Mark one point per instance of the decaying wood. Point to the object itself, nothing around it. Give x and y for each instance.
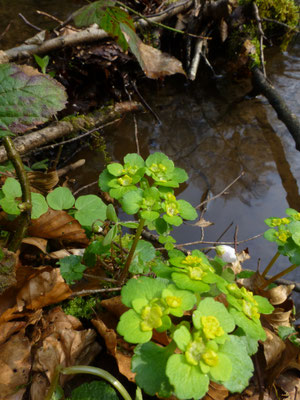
(277, 102)
(56, 130)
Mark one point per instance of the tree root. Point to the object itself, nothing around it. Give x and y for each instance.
(265, 88)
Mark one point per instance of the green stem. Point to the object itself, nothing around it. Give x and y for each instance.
(131, 252)
(156, 23)
(24, 218)
(271, 263)
(101, 373)
(53, 384)
(279, 275)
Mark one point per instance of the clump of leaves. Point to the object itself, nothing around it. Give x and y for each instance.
(215, 344)
(285, 232)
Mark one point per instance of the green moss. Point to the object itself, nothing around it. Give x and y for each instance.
(80, 307)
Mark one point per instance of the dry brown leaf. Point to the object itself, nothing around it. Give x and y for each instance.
(15, 365)
(9, 328)
(223, 27)
(290, 359)
(273, 347)
(279, 317)
(37, 242)
(58, 225)
(48, 287)
(241, 257)
(279, 294)
(43, 182)
(114, 305)
(39, 386)
(289, 383)
(53, 224)
(64, 344)
(158, 64)
(114, 345)
(216, 392)
(203, 223)
(44, 289)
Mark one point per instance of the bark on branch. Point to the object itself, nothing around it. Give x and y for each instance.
(31, 141)
(277, 102)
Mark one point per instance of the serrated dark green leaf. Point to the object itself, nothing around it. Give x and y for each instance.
(28, 98)
(94, 390)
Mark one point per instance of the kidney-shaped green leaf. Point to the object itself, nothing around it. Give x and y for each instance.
(90, 208)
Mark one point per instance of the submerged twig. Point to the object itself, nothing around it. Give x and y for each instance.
(29, 23)
(222, 192)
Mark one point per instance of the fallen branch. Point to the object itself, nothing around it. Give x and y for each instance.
(265, 88)
(56, 130)
(91, 34)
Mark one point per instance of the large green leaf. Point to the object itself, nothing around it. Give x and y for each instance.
(149, 363)
(91, 209)
(242, 368)
(27, 98)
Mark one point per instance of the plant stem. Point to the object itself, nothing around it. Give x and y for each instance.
(279, 275)
(101, 373)
(131, 252)
(53, 383)
(24, 218)
(271, 263)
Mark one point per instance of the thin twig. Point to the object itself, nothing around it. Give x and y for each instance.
(145, 104)
(261, 38)
(5, 31)
(92, 291)
(136, 137)
(52, 146)
(280, 23)
(229, 243)
(220, 237)
(99, 278)
(126, 84)
(49, 16)
(235, 237)
(29, 23)
(169, 9)
(222, 192)
(84, 187)
(149, 21)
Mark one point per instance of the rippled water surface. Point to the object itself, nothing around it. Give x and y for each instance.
(208, 129)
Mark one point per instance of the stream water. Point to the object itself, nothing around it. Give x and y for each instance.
(208, 130)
